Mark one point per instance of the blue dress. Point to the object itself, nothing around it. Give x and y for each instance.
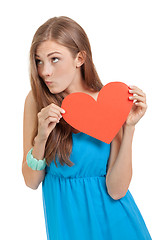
(76, 203)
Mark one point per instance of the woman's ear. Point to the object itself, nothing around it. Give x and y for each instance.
(80, 59)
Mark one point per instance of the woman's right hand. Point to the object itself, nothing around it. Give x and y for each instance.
(48, 117)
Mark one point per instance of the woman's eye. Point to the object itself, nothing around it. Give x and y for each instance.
(38, 62)
(55, 59)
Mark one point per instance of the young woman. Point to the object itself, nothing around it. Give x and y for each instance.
(84, 180)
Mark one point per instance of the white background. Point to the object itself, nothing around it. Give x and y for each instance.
(125, 41)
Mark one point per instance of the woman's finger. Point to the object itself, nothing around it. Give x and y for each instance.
(137, 91)
(141, 104)
(134, 87)
(138, 98)
(46, 112)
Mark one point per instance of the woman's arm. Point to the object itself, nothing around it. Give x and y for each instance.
(32, 178)
(119, 172)
(46, 121)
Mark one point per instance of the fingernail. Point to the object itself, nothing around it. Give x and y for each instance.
(63, 111)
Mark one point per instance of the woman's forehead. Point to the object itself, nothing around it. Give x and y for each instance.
(49, 47)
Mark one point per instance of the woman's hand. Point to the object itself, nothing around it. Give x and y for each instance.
(139, 106)
(48, 117)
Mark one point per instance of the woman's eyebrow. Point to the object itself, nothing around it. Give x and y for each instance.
(48, 54)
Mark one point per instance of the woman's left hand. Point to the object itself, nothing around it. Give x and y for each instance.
(139, 106)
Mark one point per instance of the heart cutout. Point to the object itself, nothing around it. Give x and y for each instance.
(101, 119)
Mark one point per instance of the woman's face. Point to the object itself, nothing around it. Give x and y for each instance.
(56, 66)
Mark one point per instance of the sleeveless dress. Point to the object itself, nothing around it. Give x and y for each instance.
(76, 203)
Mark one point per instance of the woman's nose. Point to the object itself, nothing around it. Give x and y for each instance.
(47, 70)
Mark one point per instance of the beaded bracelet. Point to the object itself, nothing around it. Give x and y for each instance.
(34, 163)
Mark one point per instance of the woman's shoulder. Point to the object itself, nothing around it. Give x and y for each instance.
(30, 102)
(30, 97)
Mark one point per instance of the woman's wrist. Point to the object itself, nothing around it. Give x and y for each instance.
(40, 141)
(34, 163)
(128, 129)
(38, 148)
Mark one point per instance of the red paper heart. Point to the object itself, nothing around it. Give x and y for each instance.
(101, 119)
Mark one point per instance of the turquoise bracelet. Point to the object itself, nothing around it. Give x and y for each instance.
(34, 163)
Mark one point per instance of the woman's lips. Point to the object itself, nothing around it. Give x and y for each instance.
(48, 83)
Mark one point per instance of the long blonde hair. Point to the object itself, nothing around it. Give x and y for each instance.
(70, 34)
